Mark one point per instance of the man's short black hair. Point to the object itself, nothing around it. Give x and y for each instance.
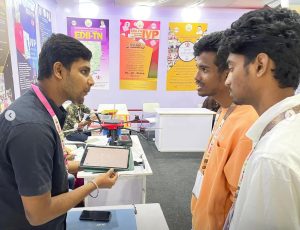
(60, 48)
(211, 43)
(275, 32)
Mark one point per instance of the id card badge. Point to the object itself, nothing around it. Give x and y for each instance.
(198, 184)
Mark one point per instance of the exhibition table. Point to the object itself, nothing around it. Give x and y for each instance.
(182, 129)
(148, 216)
(130, 187)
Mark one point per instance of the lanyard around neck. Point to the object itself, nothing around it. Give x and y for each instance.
(214, 135)
(287, 114)
(48, 107)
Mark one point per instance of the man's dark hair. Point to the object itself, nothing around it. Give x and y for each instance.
(60, 48)
(211, 43)
(275, 32)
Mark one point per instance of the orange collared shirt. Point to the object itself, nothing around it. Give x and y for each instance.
(221, 175)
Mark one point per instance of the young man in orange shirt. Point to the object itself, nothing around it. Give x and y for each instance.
(228, 146)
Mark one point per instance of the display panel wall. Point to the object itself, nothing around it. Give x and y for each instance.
(217, 19)
(29, 23)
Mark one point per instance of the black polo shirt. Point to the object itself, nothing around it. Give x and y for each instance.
(31, 161)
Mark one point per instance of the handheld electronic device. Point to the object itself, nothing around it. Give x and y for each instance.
(105, 157)
(95, 215)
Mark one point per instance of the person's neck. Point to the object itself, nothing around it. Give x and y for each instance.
(223, 99)
(267, 99)
(51, 91)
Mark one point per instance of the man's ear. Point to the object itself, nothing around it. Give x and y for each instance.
(262, 63)
(225, 74)
(58, 69)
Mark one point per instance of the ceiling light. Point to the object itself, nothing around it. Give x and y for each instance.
(67, 10)
(198, 3)
(162, 1)
(150, 4)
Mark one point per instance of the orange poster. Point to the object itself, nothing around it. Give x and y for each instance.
(139, 46)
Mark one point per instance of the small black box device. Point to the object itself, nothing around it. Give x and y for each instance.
(124, 140)
(95, 215)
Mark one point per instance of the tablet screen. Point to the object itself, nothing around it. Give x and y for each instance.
(106, 157)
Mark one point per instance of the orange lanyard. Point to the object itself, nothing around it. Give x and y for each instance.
(214, 135)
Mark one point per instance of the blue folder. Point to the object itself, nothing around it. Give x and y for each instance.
(121, 219)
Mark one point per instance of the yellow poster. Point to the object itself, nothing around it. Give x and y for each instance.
(181, 65)
(295, 7)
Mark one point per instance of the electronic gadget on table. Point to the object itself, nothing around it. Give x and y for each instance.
(124, 140)
(105, 157)
(120, 219)
(95, 215)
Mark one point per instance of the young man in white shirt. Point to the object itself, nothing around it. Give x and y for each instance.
(264, 65)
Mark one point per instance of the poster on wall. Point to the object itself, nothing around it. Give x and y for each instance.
(26, 42)
(94, 34)
(45, 24)
(7, 94)
(181, 64)
(139, 47)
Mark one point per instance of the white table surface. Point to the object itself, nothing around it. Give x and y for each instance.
(184, 111)
(182, 129)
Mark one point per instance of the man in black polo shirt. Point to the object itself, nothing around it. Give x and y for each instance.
(33, 177)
